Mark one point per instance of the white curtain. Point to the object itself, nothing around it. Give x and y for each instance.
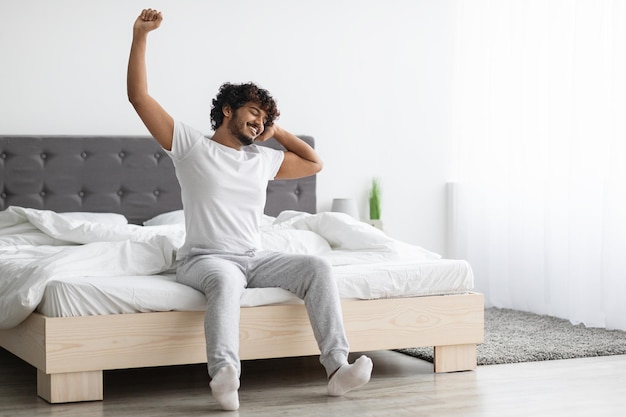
(539, 97)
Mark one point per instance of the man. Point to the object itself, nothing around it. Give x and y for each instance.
(223, 181)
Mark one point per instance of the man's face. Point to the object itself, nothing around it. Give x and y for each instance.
(247, 123)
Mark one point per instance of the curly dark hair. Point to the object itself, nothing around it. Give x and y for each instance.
(236, 95)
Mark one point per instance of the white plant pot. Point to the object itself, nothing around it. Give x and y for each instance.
(376, 223)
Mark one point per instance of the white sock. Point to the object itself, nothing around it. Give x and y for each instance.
(224, 388)
(350, 377)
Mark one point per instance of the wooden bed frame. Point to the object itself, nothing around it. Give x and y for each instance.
(101, 174)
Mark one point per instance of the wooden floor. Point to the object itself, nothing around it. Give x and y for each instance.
(400, 386)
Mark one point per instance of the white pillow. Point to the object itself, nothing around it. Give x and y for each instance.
(294, 241)
(172, 217)
(287, 218)
(267, 221)
(34, 238)
(28, 234)
(112, 219)
(345, 232)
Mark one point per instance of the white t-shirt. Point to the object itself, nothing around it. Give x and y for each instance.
(223, 190)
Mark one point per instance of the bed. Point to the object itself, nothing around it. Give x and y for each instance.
(132, 176)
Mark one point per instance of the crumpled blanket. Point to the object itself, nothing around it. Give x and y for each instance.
(81, 248)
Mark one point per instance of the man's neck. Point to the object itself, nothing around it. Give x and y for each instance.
(223, 137)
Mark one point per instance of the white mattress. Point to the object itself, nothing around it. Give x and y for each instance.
(82, 296)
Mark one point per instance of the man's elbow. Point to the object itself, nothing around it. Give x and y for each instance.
(138, 101)
(136, 95)
(133, 99)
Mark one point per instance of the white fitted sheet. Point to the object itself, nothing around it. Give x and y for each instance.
(80, 296)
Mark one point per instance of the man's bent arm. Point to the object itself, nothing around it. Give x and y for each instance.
(301, 160)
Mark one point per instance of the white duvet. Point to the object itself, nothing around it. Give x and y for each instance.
(38, 246)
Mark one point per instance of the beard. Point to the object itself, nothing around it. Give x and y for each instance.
(238, 129)
(244, 140)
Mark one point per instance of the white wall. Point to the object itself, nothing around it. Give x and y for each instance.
(369, 79)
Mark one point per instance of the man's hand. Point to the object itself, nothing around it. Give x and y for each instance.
(148, 20)
(267, 133)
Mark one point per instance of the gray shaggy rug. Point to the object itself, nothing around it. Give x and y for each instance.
(514, 336)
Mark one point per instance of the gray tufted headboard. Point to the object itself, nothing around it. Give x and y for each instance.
(130, 175)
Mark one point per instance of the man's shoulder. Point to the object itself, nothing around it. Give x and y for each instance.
(185, 139)
(261, 149)
(183, 129)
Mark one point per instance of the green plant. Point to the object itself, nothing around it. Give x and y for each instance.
(374, 197)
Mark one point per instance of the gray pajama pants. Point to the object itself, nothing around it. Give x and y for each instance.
(223, 277)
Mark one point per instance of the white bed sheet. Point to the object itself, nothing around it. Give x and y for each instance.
(80, 296)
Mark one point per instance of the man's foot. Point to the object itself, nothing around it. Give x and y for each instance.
(350, 377)
(224, 386)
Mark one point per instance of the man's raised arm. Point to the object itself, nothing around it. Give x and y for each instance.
(157, 120)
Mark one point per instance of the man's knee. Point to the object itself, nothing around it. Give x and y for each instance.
(223, 283)
(317, 267)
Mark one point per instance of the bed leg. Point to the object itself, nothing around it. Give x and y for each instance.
(455, 358)
(70, 387)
